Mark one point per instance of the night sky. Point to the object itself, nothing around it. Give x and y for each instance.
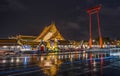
(29, 17)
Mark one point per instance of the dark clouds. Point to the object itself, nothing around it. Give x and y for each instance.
(29, 17)
(11, 5)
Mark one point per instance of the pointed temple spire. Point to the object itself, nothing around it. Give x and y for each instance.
(49, 33)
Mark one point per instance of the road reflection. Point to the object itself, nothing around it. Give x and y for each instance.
(53, 64)
(63, 64)
(50, 64)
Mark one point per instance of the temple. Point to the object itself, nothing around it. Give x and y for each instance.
(49, 37)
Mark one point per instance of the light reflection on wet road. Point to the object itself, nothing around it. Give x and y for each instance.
(61, 64)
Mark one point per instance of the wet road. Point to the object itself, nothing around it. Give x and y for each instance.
(61, 64)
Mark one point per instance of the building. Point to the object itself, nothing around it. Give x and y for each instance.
(9, 45)
(49, 39)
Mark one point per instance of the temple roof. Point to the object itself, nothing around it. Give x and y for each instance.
(50, 33)
(22, 42)
(8, 42)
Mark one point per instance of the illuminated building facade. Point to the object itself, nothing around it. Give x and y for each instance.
(50, 36)
(9, 44)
